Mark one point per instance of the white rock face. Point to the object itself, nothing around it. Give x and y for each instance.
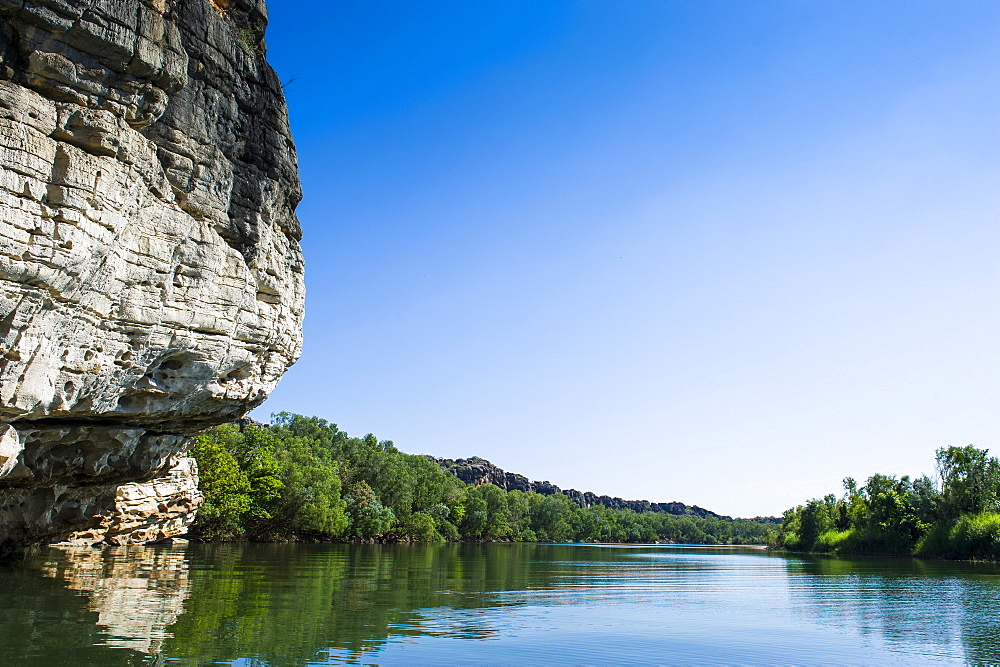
(150, 272)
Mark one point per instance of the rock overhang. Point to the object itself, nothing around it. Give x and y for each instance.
(151, 279)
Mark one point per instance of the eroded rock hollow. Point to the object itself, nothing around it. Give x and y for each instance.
(151, 279)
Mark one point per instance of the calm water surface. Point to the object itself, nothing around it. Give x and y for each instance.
(490, 603)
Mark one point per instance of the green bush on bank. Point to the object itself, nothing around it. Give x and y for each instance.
(956, 517)
(834, 540)
(303, 478)
(973, 536)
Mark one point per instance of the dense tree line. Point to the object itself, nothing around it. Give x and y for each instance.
(303, 478)
(955, 516)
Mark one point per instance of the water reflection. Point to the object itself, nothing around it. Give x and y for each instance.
(91, 606)
(945, 605)
(298, 604)
(136, 592)
(293, 604)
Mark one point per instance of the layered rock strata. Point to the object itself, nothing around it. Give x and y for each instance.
(150, 271)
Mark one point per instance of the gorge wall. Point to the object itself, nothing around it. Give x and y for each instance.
(151, 279)
(477, 471)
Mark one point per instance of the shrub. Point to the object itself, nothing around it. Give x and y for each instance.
(420, 526)
(972, 537)
(833, 540)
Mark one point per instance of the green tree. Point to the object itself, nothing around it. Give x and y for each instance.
(817, 518)
(969, 480)
(369, 517)
(890, 524)
(253, 449)
(422, 527)
(476, 517)
(286, 480)
(497, 519)
(310, 501)
(225, 487)
(550, 517)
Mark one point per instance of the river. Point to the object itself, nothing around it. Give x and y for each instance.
(489, 603)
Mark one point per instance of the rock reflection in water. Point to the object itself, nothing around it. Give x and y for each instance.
(291, 604)
(136, 591)
(84, 606)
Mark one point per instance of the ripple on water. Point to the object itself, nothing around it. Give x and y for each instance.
(480, 604)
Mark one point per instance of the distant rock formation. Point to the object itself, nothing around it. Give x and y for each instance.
(151, 279)
(478, 471)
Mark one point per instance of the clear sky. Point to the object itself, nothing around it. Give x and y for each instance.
(726, 253)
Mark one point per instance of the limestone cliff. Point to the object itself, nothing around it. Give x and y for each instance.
(151, 280)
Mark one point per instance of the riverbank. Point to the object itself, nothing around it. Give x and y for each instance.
(303, 479)
(956, 516)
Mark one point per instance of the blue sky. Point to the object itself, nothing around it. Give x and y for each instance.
(726, 253)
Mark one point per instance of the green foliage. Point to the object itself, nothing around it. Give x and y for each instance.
(832, 540)
(890, 516)
(973, 536)
(888, 522)
(239, 479)
(253, 450)
(969, 481)
(549, 518)
(226, 489)
(803, 525)
(369, 517)
(303, 478)
(421, 527)
(312, 498)
(266, 483)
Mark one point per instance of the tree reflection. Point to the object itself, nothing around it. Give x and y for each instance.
(904, 600)
(295, 604)
(298, 603)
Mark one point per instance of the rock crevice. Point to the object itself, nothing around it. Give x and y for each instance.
(151, 279)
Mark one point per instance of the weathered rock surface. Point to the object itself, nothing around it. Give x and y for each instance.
(475, 470)
(150, 272)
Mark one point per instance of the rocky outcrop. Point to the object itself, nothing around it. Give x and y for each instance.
(150, 272)
(479, 471)
(147, 511)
